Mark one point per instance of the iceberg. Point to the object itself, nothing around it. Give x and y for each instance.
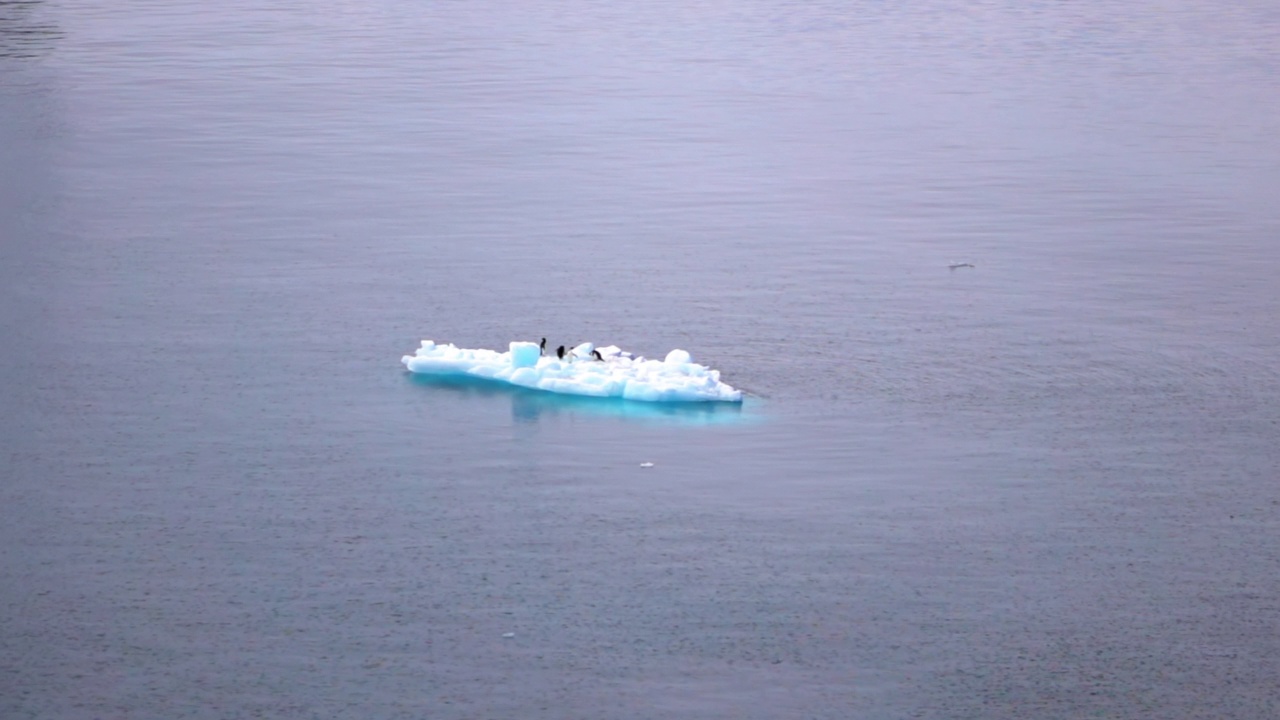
(615, 374)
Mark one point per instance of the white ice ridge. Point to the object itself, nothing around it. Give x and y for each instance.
(617, 375)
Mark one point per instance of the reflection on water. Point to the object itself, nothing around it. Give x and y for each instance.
(528, 406)
(22, 33)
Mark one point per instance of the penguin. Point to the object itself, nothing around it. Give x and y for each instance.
(596, 354)
(542, 347)
(560, 352)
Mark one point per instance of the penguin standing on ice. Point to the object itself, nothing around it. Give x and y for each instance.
(560, 352)
(542, 347)
(596, 354)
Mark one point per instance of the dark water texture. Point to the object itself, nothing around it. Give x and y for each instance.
(1044, 486)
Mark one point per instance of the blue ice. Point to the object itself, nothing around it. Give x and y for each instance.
(618, 375)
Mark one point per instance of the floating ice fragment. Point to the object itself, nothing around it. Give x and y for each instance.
(646, 464)
(616, 375)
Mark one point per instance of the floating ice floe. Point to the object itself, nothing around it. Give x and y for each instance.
(616, 375)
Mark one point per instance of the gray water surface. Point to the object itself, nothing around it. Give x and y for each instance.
(1044, 486)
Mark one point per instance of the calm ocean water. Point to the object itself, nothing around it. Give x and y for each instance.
(1044, 486)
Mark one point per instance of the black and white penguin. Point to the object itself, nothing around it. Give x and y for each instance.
(596, 354)
(542, 347)
(560, 352)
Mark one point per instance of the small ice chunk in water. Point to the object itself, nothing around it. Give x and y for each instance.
(675, 379)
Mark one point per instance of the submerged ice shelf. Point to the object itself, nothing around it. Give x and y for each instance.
(617, 375)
